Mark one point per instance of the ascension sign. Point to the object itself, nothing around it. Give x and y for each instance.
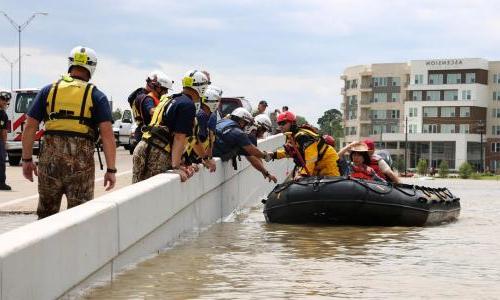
(444, 62)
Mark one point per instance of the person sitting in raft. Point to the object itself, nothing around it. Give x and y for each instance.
(357, 167)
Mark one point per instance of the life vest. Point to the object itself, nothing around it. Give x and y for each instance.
(374, 159)
(157, 133)
(136, 99)
(362, 172)
(69, 108)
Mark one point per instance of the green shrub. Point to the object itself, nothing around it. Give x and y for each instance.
(475, 175)
(422, 166)
(465, 170)
(443, 169)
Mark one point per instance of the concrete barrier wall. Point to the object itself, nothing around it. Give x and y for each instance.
(61, 255)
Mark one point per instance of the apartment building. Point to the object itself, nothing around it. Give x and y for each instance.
(445, 107)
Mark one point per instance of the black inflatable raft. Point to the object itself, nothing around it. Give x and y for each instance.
(342, 200)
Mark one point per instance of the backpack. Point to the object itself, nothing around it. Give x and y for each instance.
(135, 101)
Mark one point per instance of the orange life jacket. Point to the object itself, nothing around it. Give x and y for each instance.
(374, 159)
(362, 172)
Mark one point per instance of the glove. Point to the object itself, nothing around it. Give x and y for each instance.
(268, 156)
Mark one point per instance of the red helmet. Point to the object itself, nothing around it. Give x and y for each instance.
(286, 116)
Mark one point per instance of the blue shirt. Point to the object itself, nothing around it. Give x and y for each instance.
(146, 107)
(212, 121)
(202, 118)
(231, 138)
(179, 117)
(101, 112)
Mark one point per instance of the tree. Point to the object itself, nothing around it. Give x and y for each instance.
(443, 169)
(301, 120)
(117, 114)
(422, 166)
(331, 123)
(399, 164)
(465, 170)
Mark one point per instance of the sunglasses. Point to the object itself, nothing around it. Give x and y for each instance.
(282, 123)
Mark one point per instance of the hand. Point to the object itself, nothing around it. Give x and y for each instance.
(270, 177)
(268, 156)
(194, 167)
(29, 168)
(109, 180)
(182, 173)
(297, 177)
(210, 164)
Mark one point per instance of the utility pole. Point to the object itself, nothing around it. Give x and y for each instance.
(11, 65)
(19, 29)
(406, 141)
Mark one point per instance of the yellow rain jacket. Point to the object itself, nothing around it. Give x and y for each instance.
(320, 158)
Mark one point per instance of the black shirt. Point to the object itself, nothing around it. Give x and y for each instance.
(3, 120)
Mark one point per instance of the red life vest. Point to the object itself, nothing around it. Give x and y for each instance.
(374, 159)
(155, 100)
(362, 172)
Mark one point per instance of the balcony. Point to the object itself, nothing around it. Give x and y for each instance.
(366, 87)
(342, 91)
(366, 72)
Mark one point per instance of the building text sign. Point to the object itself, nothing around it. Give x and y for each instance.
(443, 62)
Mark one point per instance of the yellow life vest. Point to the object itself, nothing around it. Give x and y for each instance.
(69, 105)
(157, 130)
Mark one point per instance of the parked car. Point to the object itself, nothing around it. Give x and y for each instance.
(121, 129)
(21, 102)
(131, 139)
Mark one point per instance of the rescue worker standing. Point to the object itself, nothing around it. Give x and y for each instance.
(144, 100)
(232, 141)
(165, 138)
(74, 112)
(4, 102)
(311, 154)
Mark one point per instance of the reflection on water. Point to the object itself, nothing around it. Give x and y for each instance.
(247, 258)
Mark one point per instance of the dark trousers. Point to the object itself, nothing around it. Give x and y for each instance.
(3, 155)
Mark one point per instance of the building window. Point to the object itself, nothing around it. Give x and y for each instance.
(450, 95)
(412, 128)
(394, 114)
(433, 95)
(353, 100)
(354, 83)
(394, 128)
(417, 95)
(495, 129)
(435, 78)
(495, 147)
(496, 78)
(430, 112)
(419, 79)
(470, 78)
(395, 97)
(447, 128)
(377, 129)
(447, 112)
(413, 112)
(380, 97)
(429, 128)
(464, 128)
(495, 112)
(379, 81)
(496, 95)
(396, 81)
(466, 95)
(454, 78)
(464, 112)
(379, 114)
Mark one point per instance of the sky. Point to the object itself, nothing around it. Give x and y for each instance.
(286, 52)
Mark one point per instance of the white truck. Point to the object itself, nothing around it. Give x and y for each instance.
(121, 129)
(20, 103)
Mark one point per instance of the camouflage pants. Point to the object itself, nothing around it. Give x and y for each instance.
(149, 161)
(67, 167)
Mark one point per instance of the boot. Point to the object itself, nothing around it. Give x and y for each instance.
(5, 187)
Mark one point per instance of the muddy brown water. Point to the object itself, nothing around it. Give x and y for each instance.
(245, 258)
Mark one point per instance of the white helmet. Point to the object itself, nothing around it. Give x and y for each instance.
(196, 80)
(243, 114)
(159, 79)
(211, 97)
(83, 57)
(263, 120)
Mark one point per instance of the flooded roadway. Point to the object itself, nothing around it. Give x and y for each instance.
(245, 258)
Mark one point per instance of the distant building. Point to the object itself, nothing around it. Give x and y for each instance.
(447, 102)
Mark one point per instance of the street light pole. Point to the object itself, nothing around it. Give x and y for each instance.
(481, 128)
(19, 29)
(406, 141)
(11, 65)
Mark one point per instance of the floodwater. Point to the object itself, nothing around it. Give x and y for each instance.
(245, 258)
